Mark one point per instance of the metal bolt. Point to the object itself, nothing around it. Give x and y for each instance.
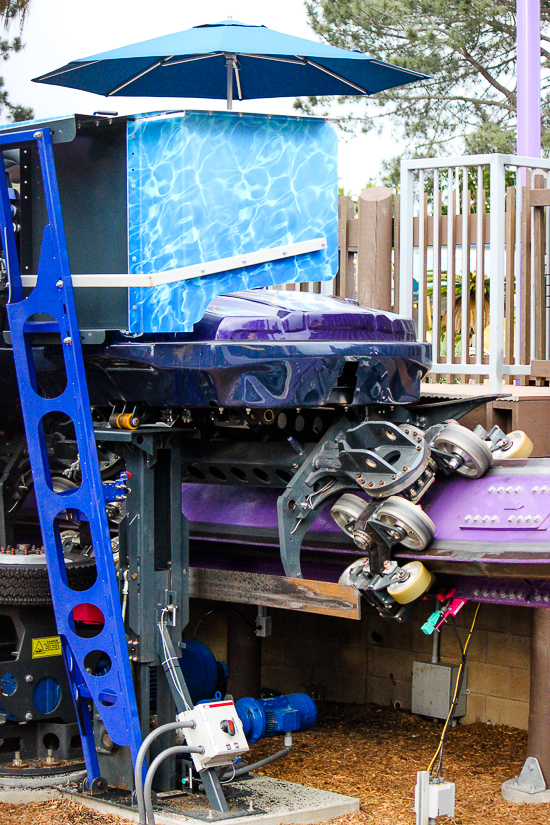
(29, 717)
(467, 518)
(134, 259)
(67, 340)
(29, 678)
(59, 284)
(518, 489)
(528, 519)
(418, 448)
(535, 489)
(537, 519)
(521, 519)
(477, 518)
(494, 518)
(509, 489)
(500, 489)
(491, 489)
(37, 135)
(486, 518)
(511, 519)
(544, 488)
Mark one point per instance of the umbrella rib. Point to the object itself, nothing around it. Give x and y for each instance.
(299, 62)
(188, 59)
(137, 77)
(69, 69)
(238, 79)
(335, 75)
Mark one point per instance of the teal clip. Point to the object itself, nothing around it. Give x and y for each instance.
(429, 626)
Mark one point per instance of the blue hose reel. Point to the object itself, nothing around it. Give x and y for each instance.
(281, 714)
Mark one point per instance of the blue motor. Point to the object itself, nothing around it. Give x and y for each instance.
(203, 675)
(281, 714)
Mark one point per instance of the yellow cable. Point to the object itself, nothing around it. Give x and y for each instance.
(447, 721)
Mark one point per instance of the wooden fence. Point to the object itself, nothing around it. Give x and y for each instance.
(485, 309)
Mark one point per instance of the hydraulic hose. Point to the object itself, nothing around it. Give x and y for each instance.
(244, 769)
(150, 816)
(140, 758)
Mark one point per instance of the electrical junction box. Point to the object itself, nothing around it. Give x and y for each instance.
(433, 688)
(440, 799)
(218, 730)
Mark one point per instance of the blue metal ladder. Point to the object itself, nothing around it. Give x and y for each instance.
(112, 693)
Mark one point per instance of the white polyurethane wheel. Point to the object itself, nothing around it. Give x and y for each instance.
(458, 440)
(399, 512)
(346, 511)
(521, 446)
(420, 579)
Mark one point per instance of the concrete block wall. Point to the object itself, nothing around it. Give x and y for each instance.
(371, 660)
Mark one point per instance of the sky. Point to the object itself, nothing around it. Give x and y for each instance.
(58, 31)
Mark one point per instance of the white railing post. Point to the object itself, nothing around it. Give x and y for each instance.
(406, 276)
(497, 274)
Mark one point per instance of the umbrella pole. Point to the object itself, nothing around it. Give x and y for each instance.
(229, 62)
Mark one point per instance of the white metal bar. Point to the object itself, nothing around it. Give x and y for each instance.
(406, 243)
(475, 160)
(450, 267)
(496, 291)
(465, 288)
(185, 273)
(517, 266)
(480, 266)
(421, 272)
(436, 277)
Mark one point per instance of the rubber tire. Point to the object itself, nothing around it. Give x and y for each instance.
(26, 586)
(522, 446)
(408, 591)
(420, 528)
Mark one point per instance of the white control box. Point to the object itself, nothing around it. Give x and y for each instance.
(433, 799)
(218, 730)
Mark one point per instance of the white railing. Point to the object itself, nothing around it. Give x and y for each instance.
(484, 306)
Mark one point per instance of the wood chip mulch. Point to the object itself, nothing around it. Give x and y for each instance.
(55, 812)
(374, 753)
(371, 753)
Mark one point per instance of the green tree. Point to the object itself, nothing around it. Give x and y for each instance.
(12, 12)
(468, 47)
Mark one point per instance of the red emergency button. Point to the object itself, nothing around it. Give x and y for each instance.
(228, 726)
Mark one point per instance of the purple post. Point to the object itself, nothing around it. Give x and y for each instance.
(528, 69)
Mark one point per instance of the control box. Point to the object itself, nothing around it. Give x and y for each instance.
(218, 730)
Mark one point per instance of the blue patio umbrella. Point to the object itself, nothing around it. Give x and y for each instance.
(226, 60)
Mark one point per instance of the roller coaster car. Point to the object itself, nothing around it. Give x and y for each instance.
(310, 393)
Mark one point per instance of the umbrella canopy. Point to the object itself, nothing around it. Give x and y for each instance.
(229, 60)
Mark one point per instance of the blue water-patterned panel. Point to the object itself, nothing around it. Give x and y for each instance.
(203, 186)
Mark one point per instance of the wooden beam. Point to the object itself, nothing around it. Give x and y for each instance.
(305, 595)
(539, 197)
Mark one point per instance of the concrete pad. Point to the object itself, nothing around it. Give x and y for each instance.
(260, 800)
(512, 791)
(22, 797)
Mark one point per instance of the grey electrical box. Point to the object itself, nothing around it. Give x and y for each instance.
(433, 688)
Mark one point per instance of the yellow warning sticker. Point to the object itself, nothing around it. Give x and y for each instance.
(50, 646)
